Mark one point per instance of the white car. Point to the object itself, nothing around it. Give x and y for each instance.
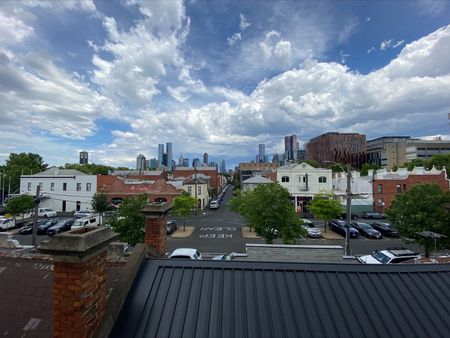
(86, 221)
(214, 204)
(46, 212)
(389, 256)
(310, 228)
(186, 253)
(82, 213)
(7, 223)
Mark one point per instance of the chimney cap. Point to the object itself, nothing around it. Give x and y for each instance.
(153, 208)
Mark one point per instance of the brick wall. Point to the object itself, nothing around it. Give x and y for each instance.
(156, 233)
(214, 181)
(79, 297)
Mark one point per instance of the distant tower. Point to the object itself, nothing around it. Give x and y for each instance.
(195, 162)
(84, 157)
(160, 155)
(205, 158)
(223, 168)
(261, 153)
(140, 163)
(291, 147)
(169, 156)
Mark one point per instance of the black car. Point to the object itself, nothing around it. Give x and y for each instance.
(366, 230)
(339, 226)
(385, 228)
(45, 225)
(27, 229)
(172, 226)
(352, 216)
(61, 226)
(373, 215)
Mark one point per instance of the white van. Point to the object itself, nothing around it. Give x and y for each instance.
(86, 221)
(214, 204)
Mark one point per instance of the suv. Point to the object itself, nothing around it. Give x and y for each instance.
(186, 253)
(7, 223)
(389, 256)
(339, 227)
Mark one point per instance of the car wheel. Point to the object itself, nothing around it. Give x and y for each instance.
(45, 216)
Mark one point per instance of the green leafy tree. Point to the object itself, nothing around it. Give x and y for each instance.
(19, 205)
(182, 206)
(422, 208)
(90, 168)
(18, 164)
(439, 161)
(100, 204)
(325, 207)
(269, 211)
(129, 221)
(368, 166)
(312, 163)
(415, 163)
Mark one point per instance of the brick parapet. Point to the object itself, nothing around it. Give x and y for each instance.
(156, 233)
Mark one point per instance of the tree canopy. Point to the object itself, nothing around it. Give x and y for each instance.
(100, 204)
(268, 210)
(18, 164)
(129, 221)
(368, 166)
(312, 163)
(90, 168)
(422, 208)
(438, 160)
(19, 204)
(325, 207)
(183, 205)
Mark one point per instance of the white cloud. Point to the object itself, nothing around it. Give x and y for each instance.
(368, 19)
(371, 50)
(343, 56)
(398, 43)
(386, 44)
(234, 38)
(13, 30)
(275, 49)
(432, 7)
(243, 23)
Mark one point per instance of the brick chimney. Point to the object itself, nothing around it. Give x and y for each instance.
(79, 284)
(156, 225)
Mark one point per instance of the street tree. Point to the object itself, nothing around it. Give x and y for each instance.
(325, 207)
(183, 206)
(100, 204)
(422, 208)
(268, 210)
(18, 164)
(19, 205)
(129, 221)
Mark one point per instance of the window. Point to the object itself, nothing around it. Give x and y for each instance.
(398, 188)
(285, 179)
(322, 179)
(404, 187)
(78, 205)
(380, 202)
(78, 186)
(88, 186)
(29, 186)
(41, 186)
(52, 186)
(189, 190)
(304, 179)
(199, 190)
(64, 186)
(379, 188)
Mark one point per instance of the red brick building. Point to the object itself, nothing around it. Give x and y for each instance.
(338, 147)
(117, 188)
(387, 184)
(211, 172)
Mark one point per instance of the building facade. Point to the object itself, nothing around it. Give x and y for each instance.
(360, 187)
(198, 189)
(84, 157)
(338, 147)
(425, 149)
(291, 148)
(387, 184)
(141, 164)
(252, 182)
(387, 151)
(261, 157)
(160, 155)
(169, 163)
(303, 182)
(251, 169)
(63, 190)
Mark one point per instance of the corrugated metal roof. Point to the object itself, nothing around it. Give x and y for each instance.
(172, 298)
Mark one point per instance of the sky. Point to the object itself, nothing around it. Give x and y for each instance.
(116, 78)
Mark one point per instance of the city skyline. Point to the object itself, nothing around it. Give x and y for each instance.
(117, 78)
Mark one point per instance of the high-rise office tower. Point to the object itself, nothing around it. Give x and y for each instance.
(169, 156)
(140, 162)
(223, 169)
(185, 162)
(205, 158)
(291, 147)
(160, 155)
(213, 164)
(260, 158)
(84, 157)
(153, 164)
(195, 162)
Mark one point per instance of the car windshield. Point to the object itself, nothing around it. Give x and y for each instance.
(364, 226)
(381, 257)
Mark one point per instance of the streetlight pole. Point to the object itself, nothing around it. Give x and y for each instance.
(195, 187)
(348, 250)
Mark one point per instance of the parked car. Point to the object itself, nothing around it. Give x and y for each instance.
(46, 212)
(214, 204)
(172, 226)
(228, 257)
(82, 213)
(86, 221)
(373, 215)
(389, 256)
(7, 223)
(61, 226)
(43, 226)
(186, 253)
(339, 226)
(352, 216)
(366, 230)
(310, 228)
(385, 228)
(27, 229)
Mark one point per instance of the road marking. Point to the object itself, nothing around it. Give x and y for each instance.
(216, 236)
(218, 229)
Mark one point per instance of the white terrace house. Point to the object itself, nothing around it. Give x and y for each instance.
(63, 190)
(198, 188)
(361, 189)
(303, 182)
(252, 182)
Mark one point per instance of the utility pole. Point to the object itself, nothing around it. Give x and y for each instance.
(348, 251)
(195, 187)
(36, 210)
(3, 189)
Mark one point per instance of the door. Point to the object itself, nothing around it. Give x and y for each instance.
(63, 206)
(78, 205)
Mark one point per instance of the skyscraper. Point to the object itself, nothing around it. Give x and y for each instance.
(160, 155)
(195, 162)
(260, 158)
(205, 158)
(140, 162)
(291, 147)
(84, 157)
(169, 156)
(223, 168)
